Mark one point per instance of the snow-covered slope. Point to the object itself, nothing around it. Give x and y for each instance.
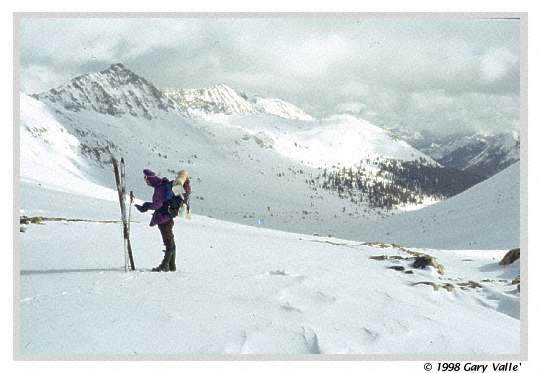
(486, 216)
(243, 289)
(280, 108)
(345, 140)
(50, 155)
(340, 140)
(115, 91)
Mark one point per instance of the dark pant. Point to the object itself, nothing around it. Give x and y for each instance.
(166, 229)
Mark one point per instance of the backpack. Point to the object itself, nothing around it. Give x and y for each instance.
(173, 202)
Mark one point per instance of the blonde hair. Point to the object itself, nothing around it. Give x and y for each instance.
(181, 177)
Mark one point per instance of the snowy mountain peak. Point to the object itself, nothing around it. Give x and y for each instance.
(118, 91)
(114, 91)
(223, 85)
(221, 98)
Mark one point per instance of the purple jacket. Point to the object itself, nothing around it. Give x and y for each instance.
(158, 198)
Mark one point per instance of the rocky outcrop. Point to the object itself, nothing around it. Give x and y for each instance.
(510, 257)
(427, 260)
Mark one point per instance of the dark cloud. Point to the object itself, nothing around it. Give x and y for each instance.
(421, 73)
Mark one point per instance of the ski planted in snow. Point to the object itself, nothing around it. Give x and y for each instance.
(120, 178)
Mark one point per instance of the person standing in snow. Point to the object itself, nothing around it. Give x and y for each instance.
(163, 216)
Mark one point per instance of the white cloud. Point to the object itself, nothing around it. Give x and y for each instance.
(432, 100)
(495, 64)
(40, 76)
(412, 72)
(315, 56)
(350, 108)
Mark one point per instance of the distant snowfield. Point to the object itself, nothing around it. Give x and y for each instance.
(337, 140)
(242, 289)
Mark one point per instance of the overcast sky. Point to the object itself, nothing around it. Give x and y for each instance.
(445, 75)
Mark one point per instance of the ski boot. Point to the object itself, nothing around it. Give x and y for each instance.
(164, 266)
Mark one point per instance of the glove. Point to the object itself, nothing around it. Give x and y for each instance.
(144, 207)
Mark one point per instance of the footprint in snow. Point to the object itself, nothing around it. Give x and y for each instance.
(283, 273)
(300, 297)
(302, 340)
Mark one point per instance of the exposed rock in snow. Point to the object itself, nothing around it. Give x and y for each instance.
(510, 256)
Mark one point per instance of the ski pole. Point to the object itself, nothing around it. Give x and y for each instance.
(118, 180)
(127, 243)
(129, 210)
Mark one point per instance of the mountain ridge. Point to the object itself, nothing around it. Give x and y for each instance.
(223, 99)
(115, 91)
(482, 154)
(118, 90)
(263, 153)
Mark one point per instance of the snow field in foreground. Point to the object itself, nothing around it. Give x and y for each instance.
(242, 289)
